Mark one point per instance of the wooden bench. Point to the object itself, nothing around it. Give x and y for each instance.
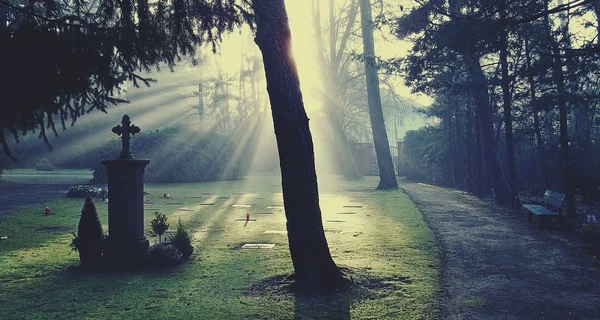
(553, 204)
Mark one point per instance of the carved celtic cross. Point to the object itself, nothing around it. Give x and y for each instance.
(126, 131)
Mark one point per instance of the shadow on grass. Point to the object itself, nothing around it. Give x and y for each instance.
(360, 286)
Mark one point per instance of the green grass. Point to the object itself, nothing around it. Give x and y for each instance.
(386, 248)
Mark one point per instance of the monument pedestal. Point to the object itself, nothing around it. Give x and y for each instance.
(126, 239)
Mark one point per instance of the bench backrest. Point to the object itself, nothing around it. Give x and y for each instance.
(554, 199)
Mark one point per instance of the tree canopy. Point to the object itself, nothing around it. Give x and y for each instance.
(66, 58)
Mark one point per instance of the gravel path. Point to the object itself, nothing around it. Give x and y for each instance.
(498, 266)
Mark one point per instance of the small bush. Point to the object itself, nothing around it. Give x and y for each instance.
(44, 165)
(89, 239)
(591, 233)
(82, 191)
(164, 254)
(158, 225)
(182, 240)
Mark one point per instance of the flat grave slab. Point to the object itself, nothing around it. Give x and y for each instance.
(275, 206)
(240, 205)
(337, 221)
(174, 203)
(353, 206)
(196, 197)
(346, 213)
(244, 220)
(223, 198)
(333, 231)
(258, 246)
(207, 204)
(186, 210)
(276, 231)
(263, 213)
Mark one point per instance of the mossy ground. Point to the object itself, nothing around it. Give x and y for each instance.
(379, 239)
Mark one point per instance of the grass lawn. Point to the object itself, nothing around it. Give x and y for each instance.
(379, 238)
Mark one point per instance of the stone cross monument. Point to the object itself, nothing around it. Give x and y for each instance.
(126, 241)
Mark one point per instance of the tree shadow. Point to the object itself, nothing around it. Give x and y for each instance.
(333, 304)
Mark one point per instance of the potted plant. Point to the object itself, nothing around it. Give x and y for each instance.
(158, 225)
(89, 239)
(182, 240)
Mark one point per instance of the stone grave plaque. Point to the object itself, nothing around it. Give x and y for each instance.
(353, 206)
(276, 231)
(263, 213)
(251, 219)
(258, 246)
(337, 221)
(346, 213)
(208, 204)
(239, 205)
(196, 197)
(333, 231)
(173, 203)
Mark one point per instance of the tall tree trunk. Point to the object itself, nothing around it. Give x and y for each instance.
(387, 177)
(508, 127)
(536, 116)
(559, 79)
(314, 268)
(483, 109)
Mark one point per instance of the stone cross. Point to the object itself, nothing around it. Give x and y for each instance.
(126, 131)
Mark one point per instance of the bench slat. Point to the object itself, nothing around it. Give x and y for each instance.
(539, 210)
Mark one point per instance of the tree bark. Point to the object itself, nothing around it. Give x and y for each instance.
(482, 105)
(314, 268)
(536, 116)
(387, 177)
(508, 124)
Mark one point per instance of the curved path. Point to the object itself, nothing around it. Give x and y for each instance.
(498, 266)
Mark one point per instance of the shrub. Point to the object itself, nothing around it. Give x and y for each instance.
(44, 165)
(89, 239)
(164, 254)
(182, 240)
(158, 225)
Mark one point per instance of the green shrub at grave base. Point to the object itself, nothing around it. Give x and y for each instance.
(163, 254)
(158, 225)
(44, 165)
(89, 239)
(182, 240)
(179, 156)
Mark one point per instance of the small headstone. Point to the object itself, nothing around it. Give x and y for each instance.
(258, 246)
(4, 238)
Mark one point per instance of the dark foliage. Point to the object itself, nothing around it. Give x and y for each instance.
(76, 55)
(89, 240)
